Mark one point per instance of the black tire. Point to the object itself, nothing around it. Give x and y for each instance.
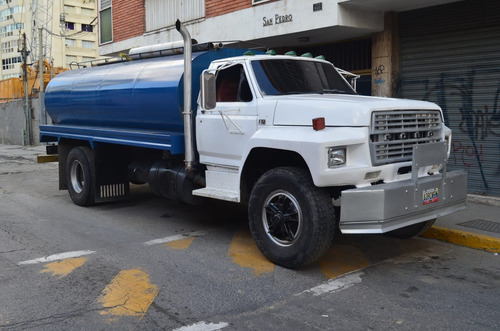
(291, 220)
(411, 230)
(80, 175)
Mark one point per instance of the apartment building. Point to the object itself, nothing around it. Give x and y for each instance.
(70, 32)
(12, 21)
(77, 20)
(444, 51)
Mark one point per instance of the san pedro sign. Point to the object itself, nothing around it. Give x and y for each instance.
(277, 19)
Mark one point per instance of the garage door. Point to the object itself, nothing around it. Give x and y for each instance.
(450, 55)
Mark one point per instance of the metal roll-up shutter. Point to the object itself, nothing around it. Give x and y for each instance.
(450, 55)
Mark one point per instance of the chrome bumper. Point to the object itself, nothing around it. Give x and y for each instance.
(386, 207)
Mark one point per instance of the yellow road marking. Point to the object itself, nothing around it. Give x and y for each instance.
(64, 267)
(47, 158)
(341, 259)
(130, 293)
(180, 244)
(245, 253)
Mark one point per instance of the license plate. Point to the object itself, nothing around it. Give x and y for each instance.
(430, 196)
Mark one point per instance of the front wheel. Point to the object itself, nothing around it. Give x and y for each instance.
(80, 175)
(291, 220)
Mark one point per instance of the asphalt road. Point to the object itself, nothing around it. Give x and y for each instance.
(152, 264)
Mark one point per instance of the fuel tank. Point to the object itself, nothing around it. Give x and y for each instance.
(144, 94)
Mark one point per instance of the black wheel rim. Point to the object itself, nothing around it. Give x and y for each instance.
(282, 218)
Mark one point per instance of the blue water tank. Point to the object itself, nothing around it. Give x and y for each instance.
(141, 94)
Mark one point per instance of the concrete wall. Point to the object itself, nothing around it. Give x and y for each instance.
(386, 58)
(331, 23)
(13, 123)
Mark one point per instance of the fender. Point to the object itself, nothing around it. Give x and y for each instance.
(312, 146)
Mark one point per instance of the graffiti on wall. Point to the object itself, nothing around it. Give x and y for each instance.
(380, 77)
(378, 73)
(476, 116)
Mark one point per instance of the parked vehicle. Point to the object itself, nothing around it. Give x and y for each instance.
(287, 135)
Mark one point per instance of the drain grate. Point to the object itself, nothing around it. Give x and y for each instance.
(482, 225)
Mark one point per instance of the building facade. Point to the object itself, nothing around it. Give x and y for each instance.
(12, 23)
(69, 35)
(444, 51)
(77, 21)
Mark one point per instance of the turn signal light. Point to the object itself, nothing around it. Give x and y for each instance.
(319, 123)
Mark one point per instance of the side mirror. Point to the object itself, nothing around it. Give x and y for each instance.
(208, 99)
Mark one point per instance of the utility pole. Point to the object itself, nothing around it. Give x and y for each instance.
(27, 106)
(41, 95)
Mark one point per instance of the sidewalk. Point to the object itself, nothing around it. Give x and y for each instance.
(477, 227)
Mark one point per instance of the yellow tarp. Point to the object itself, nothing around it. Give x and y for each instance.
(13, 88)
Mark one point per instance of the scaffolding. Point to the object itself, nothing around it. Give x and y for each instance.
(42, 17)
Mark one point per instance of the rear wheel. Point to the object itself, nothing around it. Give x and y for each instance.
(411, 230)
(292, 221)
(80, 172)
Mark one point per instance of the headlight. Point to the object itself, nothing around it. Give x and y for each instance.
(336, 156)
(436, 168)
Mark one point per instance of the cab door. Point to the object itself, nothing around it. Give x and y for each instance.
(223, 132)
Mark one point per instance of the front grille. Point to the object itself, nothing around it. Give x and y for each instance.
(394, 133)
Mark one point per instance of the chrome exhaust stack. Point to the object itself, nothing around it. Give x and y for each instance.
(189, 154)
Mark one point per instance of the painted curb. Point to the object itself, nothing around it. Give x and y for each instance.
(464, 238)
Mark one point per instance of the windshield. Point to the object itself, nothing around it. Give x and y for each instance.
(289, 76)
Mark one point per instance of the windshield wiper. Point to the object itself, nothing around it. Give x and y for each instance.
(335, 91)
(301, 92)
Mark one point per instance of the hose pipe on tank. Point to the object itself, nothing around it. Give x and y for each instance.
(189, 155)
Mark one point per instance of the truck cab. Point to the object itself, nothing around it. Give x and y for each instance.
(265, 113)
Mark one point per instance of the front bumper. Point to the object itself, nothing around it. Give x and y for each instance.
(386, 207)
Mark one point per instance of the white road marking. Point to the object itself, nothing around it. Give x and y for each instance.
(203, 326)
(56, 257)
(337, 284)
(334, 285)
(174, 238)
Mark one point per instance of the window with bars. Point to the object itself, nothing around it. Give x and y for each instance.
(164, 13)
(70, 59)
(7, 14)
(87, 27)
(10, 62)
(87, 11)
(87, 44)
(70, 42)
(8, 47)
(8, 30)
(69, 9)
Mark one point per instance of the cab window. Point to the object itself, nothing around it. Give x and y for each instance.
(232, 85)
